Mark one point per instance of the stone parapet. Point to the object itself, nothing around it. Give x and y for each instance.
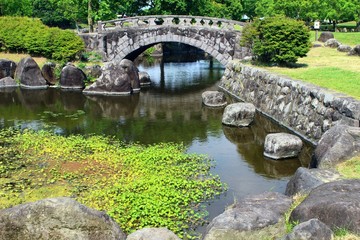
(302, 107)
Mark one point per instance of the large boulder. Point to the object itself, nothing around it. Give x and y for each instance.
(338, 144)
(250, 214)
(324, 36)
(57, 218)
(153, 234)
(114, 80)
(7, 82)
(48, 72)
(214, 99)
(7, 68)
(29, 74)
(336, 204)
(282, 145)
(72, 77)
(133, 73)
(355, 51)
(144, 79)
(304, 180)
(239, 114)
(332, 43)
(344, 48)
(310, 230)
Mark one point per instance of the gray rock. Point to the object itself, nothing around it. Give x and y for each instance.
(355, 51)
(344, 48)
(72, 77)
(57, 218)
(214, 99)
(332, 43)
(324, 36)
(93, 71)
(338, 144)
(144, 78)
(7, 82)
(336, 204)
(317, 45)
(239, 114)
(7, 68)
(133, 73)
(250, 214)
(29, 74)
(48, 72)
(153, 234)
(113, 81)
(282, 145)
(310, 230)
(304, 180)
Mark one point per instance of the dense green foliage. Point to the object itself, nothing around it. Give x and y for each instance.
(156, 185)
(67, 13)
(21, 34)
(277, 39)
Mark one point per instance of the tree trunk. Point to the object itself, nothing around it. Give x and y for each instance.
(90, 20)
(334, 25)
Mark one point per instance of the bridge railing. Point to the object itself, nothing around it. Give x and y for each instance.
(168, 20)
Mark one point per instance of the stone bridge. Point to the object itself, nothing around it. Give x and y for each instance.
(129, 37)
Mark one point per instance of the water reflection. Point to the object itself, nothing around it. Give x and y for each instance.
(169, 111)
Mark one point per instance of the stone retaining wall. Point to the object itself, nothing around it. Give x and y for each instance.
(304, 108)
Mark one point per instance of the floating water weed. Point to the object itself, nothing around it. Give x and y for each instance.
(157, 185)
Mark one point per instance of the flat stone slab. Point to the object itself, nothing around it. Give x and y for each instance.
(252, 213)
(282, 145)
(153, 234)
(239, 114)
(337, 204)
(214, 99)
(304, 180)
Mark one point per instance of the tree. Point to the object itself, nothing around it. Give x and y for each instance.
(265, 8)
(16, 8)
(277, 40)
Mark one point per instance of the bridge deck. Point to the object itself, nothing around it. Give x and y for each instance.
(169, 20)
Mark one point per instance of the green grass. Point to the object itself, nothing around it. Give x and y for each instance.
(350, 168)
(351, 38)
(328, 68)
(16, 57)
(138, 186)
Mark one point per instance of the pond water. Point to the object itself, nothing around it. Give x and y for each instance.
(169, 111)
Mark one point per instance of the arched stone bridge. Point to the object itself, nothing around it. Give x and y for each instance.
(128, 37)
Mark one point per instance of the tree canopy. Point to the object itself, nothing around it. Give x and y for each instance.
(69, 13)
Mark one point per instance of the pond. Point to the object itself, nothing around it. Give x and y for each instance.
(170, 110)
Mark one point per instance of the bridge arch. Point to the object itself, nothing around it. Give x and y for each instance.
(128, 37)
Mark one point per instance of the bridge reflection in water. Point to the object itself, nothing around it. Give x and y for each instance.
(165, 112)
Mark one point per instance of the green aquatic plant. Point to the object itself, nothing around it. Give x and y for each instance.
(156, 185)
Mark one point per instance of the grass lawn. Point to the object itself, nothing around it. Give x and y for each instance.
(16, 57)
(328, 68)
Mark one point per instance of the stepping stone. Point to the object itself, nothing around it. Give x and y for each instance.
(282, 145)
(239, 114)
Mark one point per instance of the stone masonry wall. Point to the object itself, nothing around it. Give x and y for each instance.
(306, 109)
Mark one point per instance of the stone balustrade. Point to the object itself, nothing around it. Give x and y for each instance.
(169, 20)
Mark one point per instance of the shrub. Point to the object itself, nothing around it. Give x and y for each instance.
(277, 40)
(21, 34)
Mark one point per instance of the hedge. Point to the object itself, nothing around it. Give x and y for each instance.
(278, 40)
(29, 35)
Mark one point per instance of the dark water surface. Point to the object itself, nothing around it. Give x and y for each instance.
(169, 111)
